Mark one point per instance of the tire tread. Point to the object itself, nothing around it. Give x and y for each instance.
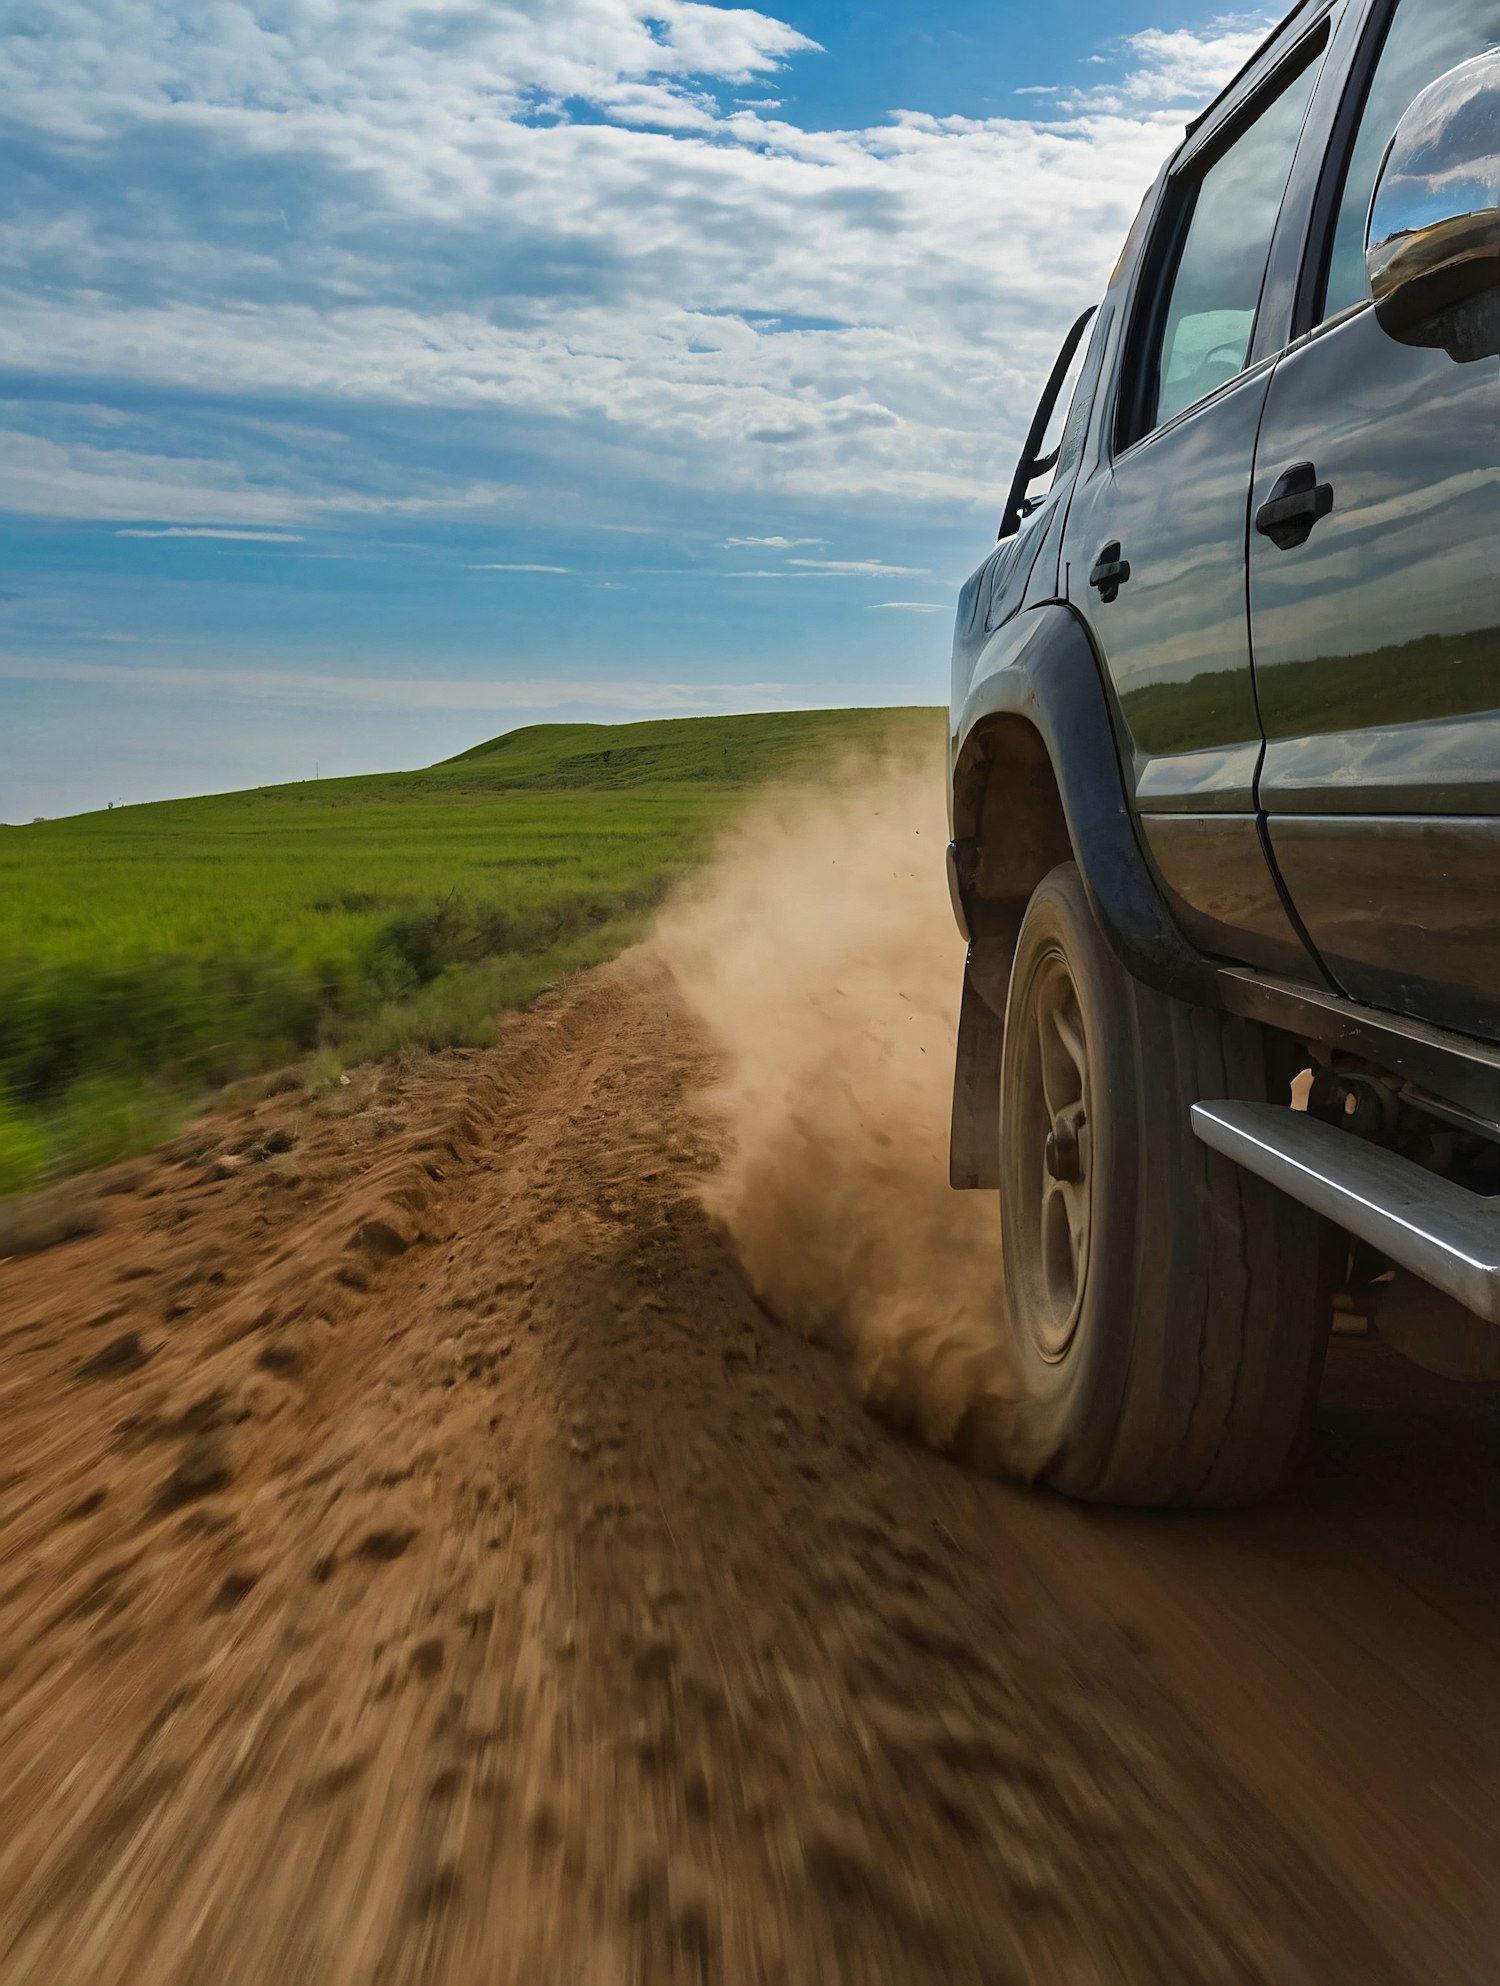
(1226, 1312)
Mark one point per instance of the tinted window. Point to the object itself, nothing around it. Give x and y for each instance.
(1210, 317)
(1427, 38)
(1075, 397)
(1076, 426)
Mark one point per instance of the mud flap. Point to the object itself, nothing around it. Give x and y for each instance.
(974, 1138)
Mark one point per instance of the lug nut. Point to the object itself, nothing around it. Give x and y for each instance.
(1062, 1153)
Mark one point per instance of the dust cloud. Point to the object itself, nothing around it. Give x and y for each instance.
(820, 952)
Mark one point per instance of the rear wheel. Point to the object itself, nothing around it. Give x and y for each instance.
(1168, 1312)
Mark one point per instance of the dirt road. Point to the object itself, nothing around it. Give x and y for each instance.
(422, 1558)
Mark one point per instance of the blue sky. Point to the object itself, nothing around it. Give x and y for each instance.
(376, 375)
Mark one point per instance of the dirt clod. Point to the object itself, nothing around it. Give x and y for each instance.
(123, 1354)
(385, 1235)
(385, 1541)
(204, 1467)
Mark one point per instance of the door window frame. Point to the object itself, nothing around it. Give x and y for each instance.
(1146, 323)
(1328, 195)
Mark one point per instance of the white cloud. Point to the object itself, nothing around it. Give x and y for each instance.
(1173, 64)
(910, 607)
(833, 569)
(520, 568)
(91, 66)
(213, 531)
(769, 544)
(857, 572)
(384, 202)
(79, 479)
(324, 690)
(859, 569)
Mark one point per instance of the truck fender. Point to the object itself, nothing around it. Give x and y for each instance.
(1037, 780)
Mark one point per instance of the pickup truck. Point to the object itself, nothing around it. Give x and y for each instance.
(1224, 780)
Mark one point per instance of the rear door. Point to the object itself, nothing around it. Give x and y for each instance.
(1155, 544)
(1377, 641)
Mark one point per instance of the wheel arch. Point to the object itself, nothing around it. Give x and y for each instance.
(1036, 780)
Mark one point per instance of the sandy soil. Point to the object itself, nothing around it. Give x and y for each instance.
(423, 1557)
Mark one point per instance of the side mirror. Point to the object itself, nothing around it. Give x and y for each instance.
(1432, 245)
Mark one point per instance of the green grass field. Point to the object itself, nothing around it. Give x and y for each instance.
(151, 954)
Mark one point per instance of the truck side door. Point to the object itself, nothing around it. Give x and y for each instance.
(1376, 640)
(1155, 545)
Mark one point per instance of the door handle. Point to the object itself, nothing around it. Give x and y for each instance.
(1294, 506)
(1110, 571)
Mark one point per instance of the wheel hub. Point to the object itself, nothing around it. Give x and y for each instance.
(1064, 1160)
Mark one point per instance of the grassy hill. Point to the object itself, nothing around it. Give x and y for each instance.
(151, 954)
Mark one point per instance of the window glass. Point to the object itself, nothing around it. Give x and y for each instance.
(1215, 293)
(1070, 443)
(1069, 415)
(1427, 38)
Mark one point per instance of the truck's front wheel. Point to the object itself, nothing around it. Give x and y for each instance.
(1167, 1311)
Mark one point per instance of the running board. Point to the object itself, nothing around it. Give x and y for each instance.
(1441, 1232)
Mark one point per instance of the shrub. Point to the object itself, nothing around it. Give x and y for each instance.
(23, 1151)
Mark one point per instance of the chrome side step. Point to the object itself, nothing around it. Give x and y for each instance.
(1441, 1232)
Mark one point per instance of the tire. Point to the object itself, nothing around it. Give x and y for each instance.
(1167, 1312)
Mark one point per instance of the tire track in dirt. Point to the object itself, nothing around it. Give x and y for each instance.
(422, 1558)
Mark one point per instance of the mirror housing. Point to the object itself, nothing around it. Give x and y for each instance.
(1432, 244)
